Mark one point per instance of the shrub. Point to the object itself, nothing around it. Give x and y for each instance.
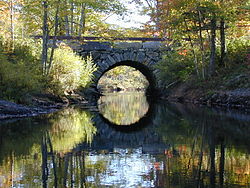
(19, 72)
(238, 51)
(69, 71)
(175, 66)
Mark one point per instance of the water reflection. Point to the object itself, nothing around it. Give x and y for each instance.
(183, 146)
(31, 143)
(69, 128)
(123, 109)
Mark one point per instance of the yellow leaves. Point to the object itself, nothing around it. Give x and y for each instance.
(69, 71)
(69, 128)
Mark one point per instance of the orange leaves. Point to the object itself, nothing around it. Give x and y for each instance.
(183, 52)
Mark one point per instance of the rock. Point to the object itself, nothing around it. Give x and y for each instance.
(152, 45)
(98, 46)
(126, 45)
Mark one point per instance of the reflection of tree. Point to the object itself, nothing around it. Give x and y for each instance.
(70, 128)
(201, 150)
(204, 151)
(123, 109)
(67, 170)
(26, 148)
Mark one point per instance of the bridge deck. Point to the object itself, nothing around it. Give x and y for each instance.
(143, 39)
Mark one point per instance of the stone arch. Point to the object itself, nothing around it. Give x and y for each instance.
(136, 59)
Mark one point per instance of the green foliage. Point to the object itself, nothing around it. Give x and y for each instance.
(179, 65)
(238, 51)
(20, 71)
(175, 66)
(69, 71)
(235, 74)
(93, 13)
(123, 77)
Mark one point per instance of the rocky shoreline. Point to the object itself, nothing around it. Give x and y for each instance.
(10, 110)
(38, 104)
(237, 99)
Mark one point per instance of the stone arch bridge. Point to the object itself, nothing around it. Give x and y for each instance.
(142, 56)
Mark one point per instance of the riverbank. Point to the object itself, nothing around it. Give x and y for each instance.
(41, 104)
(213, 93)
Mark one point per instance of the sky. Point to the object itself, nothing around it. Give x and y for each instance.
(132, 19)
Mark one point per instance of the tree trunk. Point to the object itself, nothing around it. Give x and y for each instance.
(82, 20)
(193, 51)
(44, 162)
(201, 46)
(222, 42)
(53, 159)
(67, 26)
(201, 155)
(55, 34)
(12, 29)
(45, 37)
(212, 158)
(66, 170)
(213, 47)
(222, 163)
(72, 19)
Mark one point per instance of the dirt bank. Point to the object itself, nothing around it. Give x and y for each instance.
(187, 92)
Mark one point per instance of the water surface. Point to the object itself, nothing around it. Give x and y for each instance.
(131, 143)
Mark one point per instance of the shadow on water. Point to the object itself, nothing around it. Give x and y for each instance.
(165, 145)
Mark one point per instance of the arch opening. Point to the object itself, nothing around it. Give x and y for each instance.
(127, 76)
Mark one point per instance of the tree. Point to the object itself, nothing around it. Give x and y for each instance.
(56, 21)
(44, 57)
(200, 22)
(9, 14)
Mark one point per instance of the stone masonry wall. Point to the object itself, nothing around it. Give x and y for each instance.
(135, 54)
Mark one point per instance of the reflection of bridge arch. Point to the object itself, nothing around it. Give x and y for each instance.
(143, 122)
(140, 134)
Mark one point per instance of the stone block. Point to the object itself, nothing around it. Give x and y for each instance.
(117, 57)
(152, 54)
(105, 64)
(133, 56)
(152, 45)
(127, 45)
(97, 74)
(110, 63)
(140, 57)
(95, 55)
(126, 56)
(104, 56)
(98, 46)
(111, 59)
(151, 63)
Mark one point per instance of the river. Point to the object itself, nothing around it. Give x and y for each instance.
(131, 142)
